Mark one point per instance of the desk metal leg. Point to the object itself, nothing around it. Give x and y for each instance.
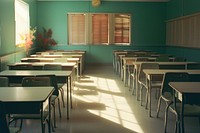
(136, 85)
(70, 88)
(67, 97)
(49, 124)
(182, 115)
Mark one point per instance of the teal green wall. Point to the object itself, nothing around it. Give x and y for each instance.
(179, 8)
(148, 25)
(9, 53)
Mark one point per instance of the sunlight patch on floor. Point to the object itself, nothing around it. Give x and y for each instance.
(116, 108)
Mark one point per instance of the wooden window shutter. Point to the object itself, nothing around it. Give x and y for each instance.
(122, 28)
(77, 29)
(100, 28)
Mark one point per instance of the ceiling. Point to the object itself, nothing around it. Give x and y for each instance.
(114, 0)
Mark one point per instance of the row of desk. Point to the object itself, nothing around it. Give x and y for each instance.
(182, 88)
(20, 100)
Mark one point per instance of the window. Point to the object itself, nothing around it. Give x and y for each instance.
(77, 29)
(122, 28)
(22, 23)
(99, 29)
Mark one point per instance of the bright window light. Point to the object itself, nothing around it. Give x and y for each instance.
(114, 107)
(22, 20)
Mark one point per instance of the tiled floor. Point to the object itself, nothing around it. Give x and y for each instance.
(101, 104)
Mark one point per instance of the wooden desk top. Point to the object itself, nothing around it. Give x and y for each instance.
(186, 87)
(61, 52)
(42, 59)
(35, 72)
(163, 71)
(167, 62)
(57, 56)
(43, 63)
(25, 94)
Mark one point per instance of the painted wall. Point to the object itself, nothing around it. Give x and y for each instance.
(179, 8)
(9, 53)
(148, 25)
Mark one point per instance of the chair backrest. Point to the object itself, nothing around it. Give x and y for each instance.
(179, 59)
(171, 66)
(166, 90)
(129, 55)
(142, 59)
(53, 82)
(4, 81)
(194, 77)
(162, 58)
(23, 67)
(3, 122)
(141, 73)
(31, 60)
(36, 81)
(64, 60)
(45, 53)
(52, 67)
(193, 66)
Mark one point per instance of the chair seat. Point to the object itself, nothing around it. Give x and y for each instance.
(14, 130)
(167, 97)
(29, 116)
(60, 85)
(156, 84)
(53, 97)
(189, 110)
(132, 74)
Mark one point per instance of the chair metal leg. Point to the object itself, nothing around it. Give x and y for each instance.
(21, 123)
(59, 108)
(177, 125)
(50, 125)
(133, 86)
(141, 88)
(158, 108)
(147, 94)
(166, 117)
(129, 81)
(199, 121)
(62, 96)
(42, 125)
(54, 115)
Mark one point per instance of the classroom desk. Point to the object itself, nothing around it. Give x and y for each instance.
(118, 55)
(26, 100)
(161, 64)
(74, 53)
(63, 60)
(57, 56)
(62, 52)
(63, 77)
(42, 59)
(150, 73)
(39, 65)
(184, 89)
(71, 58)
(125, 62)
